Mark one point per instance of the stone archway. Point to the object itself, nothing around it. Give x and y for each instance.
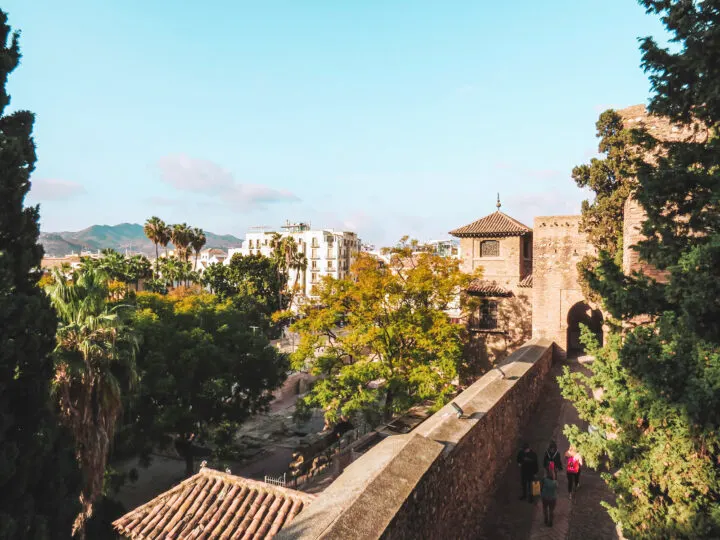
(582, 313)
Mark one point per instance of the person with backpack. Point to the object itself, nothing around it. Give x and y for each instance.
(574, 464)
(528, 463)
(552, 455)
(548, 493)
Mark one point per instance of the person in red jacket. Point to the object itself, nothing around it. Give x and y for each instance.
(573, 467)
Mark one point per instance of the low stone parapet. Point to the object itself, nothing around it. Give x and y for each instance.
(438, 480)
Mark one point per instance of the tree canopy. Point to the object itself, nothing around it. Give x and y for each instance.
(380, 339)
(201, 365)
(39, 479)
(657, 381)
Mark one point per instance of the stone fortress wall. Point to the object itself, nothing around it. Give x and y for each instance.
(438, 480)
(558, 246)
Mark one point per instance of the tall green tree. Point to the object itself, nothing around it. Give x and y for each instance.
(287, 258)
(610, 179)
(201, 367)
(181, 236)
(380, 339)
(197, 241)
(154, 229)
(94, 361)
(657, 382)
(39, 479)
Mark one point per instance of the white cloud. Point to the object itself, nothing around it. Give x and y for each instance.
(50, 189)
(203, 176)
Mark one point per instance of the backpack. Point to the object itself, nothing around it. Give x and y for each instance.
(573, 465)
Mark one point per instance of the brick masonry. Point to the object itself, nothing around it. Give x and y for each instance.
(633, 218)
(558, 246)
(439, 480)
(513, 263)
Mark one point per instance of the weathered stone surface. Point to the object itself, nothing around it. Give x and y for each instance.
(558, 246)
(437, 481)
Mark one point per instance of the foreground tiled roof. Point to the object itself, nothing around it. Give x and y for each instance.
(481, 287)
(526, 281)
(213, 505)
(496, 224)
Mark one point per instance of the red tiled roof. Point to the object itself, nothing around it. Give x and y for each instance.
(211, 505)
(526, 281)
(481, 287)
(496, 224)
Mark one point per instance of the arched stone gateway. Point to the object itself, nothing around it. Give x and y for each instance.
(582, 314)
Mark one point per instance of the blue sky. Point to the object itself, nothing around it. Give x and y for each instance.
(385, 117)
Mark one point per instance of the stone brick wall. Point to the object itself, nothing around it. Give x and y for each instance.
(487, 348)
(508, 268)
(558, 246)
(633, 218)
(437, 481)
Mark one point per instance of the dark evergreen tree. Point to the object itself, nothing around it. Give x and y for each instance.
(657, 382)
(38, 474)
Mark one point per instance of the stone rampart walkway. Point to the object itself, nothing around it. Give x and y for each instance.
(581, 519)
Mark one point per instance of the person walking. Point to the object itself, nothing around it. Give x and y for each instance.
(552, 455)
(528, 463)
(574, 464)
(548, 493)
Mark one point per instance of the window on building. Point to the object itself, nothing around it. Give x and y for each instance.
(314, 254)
(315, 242)
(314, 277)
(314, 265)
(488, 315)
(330, 265)
(490, 248)
(527, 248)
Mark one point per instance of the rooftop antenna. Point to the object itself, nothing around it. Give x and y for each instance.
(498, 202)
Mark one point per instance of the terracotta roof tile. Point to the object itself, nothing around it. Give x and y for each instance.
(526, 281)
(496, 224)
(211, 505)
(481, 287)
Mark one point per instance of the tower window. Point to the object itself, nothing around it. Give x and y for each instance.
(490, 248)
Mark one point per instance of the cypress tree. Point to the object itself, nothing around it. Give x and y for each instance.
(38, 474)
(656, 402)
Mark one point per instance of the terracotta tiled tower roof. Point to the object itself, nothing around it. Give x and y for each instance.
(497, 224)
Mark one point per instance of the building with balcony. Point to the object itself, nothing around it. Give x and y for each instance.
(328, 252)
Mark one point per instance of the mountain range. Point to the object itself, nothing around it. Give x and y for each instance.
(122, 237)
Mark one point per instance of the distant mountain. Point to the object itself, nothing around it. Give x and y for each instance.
(125, 236)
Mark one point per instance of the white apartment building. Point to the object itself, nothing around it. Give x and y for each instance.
(328, 252)
(208, 257)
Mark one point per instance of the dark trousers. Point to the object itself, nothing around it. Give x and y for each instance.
(548, 510)
(573, 481)
(526, 480)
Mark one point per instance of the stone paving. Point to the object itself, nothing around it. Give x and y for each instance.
(581, 519)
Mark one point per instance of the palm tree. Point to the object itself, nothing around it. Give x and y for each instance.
(94, 359)
(180, 236)
(138, 267)
(172, 270)
(115, 265)
(154, 229)
(287, 257)
(299, 265)
(164, 238)
(197, 241)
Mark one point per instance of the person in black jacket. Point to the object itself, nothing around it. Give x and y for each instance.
(552, 455)
(528, 463)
